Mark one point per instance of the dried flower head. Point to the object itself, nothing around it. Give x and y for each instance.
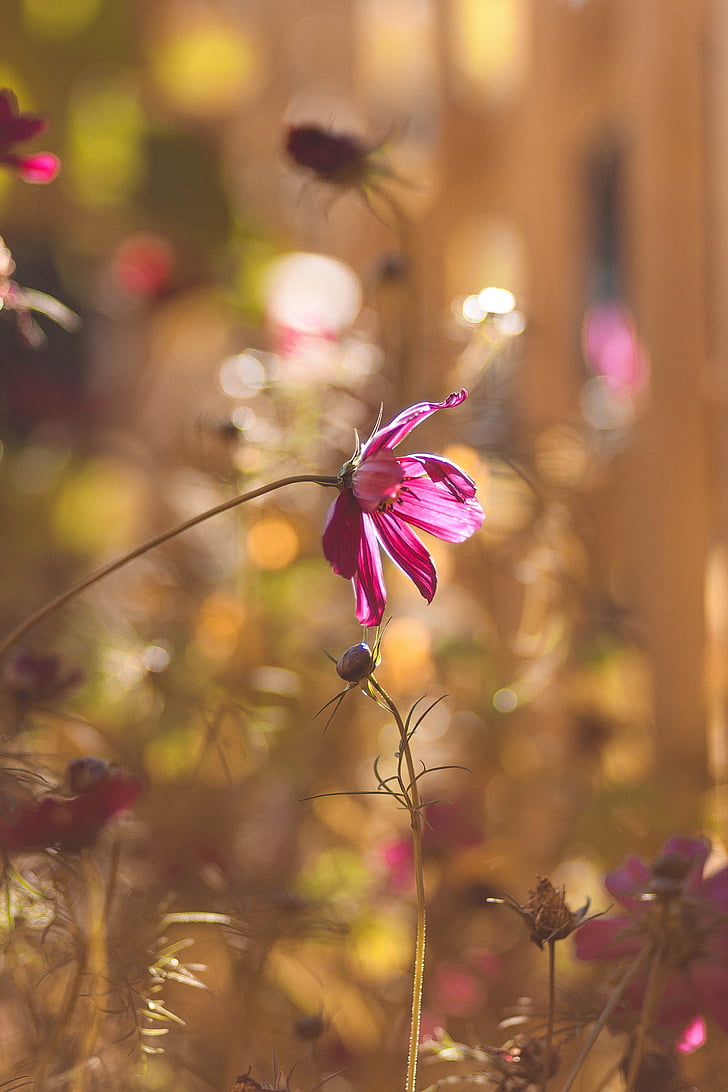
(517, 1066)
(546, 912)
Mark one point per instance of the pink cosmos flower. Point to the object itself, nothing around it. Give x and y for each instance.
(16, 128)
(382, 497)
(683, 915)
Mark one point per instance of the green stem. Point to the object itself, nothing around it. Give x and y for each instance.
(604, 1016)
(414, 806)
(60, 600)
(552, 1011)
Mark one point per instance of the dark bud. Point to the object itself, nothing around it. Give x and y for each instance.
(356, 664)
(83, 774)
(310, 1028)
(336, 158)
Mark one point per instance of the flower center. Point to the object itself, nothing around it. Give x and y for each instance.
(377, 481)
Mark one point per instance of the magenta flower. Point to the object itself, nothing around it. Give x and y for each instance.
(683, 916)
(16, 128)
(382, 497)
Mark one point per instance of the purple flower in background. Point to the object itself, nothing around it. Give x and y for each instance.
(15, 128)
(382, 497)
(683, 915)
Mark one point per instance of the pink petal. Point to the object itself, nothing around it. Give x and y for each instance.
(369, 591)
(692, 1037)
(393, 433)
(342, 534)
(709, 978)
(715, 888)
(607, 939)
(39, 168)
(695, 850)
(628, 882)
(432, 507)
(406, 550)
(438, 469)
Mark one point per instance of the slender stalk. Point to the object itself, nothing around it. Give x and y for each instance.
(604, 1016)
(414, 806)
(65, 597)
(653, 991)
(552, 1012)
(96, 968)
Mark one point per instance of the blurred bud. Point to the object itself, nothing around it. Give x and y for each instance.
(35, 675)
(357, 663)
(336, 158)
(669, 873)
(82, 774)
(310, 1028)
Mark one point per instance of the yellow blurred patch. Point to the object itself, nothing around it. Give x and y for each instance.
(206, 68)
(219, 623)
(55, 19)
(100, 508)
(272, 543)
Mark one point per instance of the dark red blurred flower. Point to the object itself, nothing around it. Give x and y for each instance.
(71, 822)
(15, 128)
(336, 158)
(683, 916)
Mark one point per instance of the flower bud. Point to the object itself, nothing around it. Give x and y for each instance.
(357, 663)
(83, 774)
(337, 158)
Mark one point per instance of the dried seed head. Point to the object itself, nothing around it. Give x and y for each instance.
(547, 913)
(357, 663)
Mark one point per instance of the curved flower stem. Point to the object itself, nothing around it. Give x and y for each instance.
(552, 1009)
(414, 806)
(60, 600)
(604, 1016)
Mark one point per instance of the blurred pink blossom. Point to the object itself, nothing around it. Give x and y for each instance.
(15, 128)
(683, 916)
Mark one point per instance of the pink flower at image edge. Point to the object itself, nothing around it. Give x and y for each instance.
(382, 497)
(697, 985)
(15, 128)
